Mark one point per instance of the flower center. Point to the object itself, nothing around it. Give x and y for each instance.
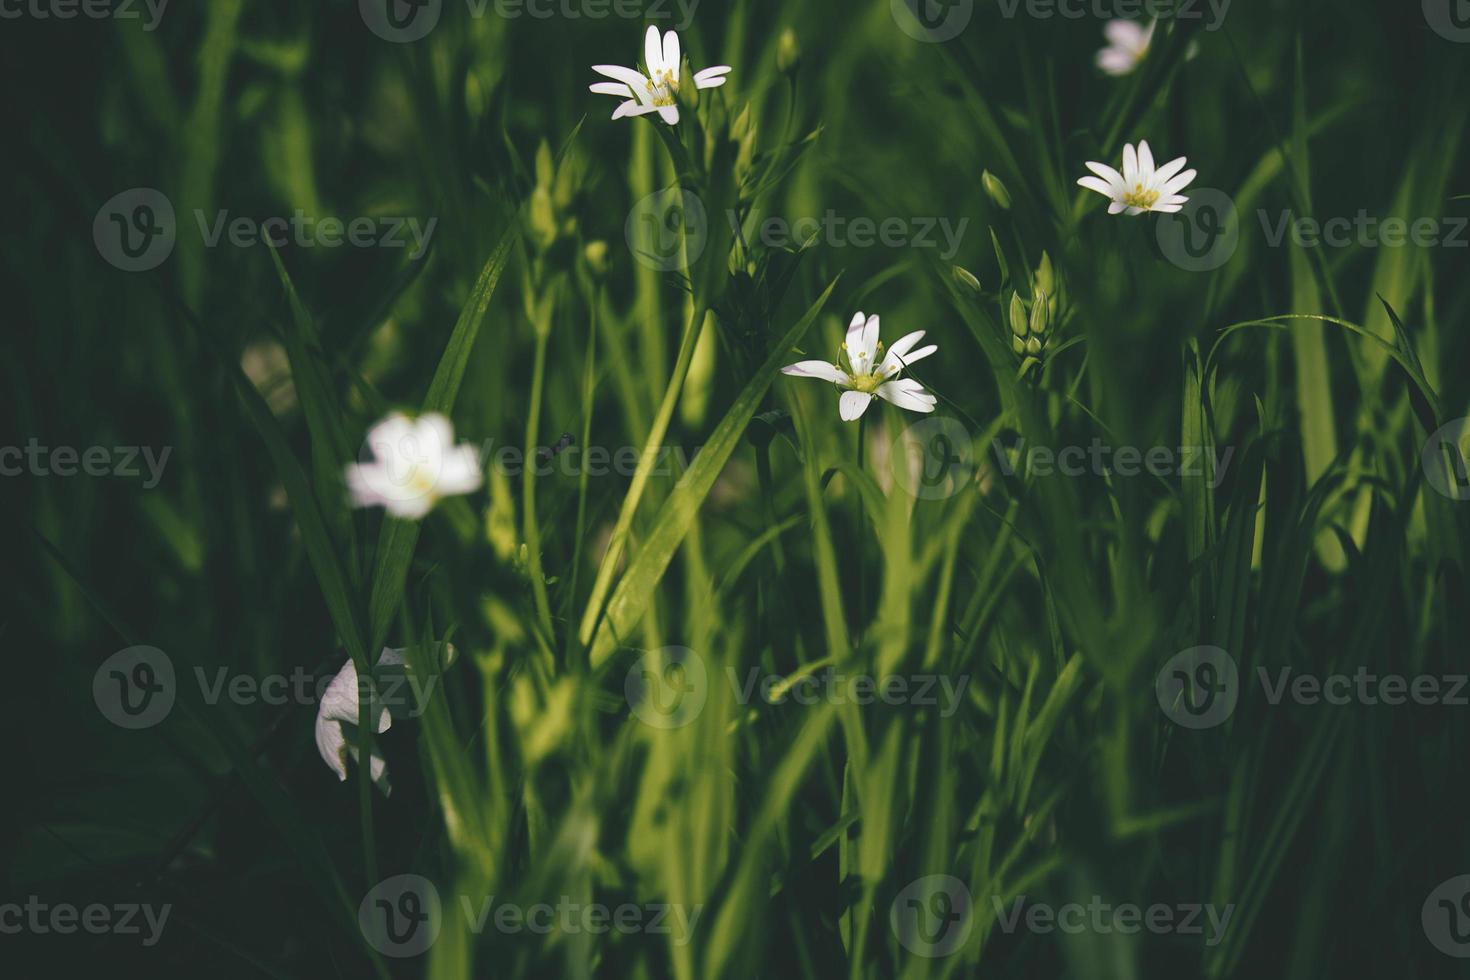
(662, 87)
(867, 383)
(1140, 198)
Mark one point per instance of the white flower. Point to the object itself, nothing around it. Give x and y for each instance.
(339, 709)
(414, 464)
(865, 376)
(339, 706)
(1127, 46)
(655, 91)
(1140, 187)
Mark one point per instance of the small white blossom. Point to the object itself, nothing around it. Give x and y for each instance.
(414, 464)
(655, 91)
(1128, 43)
(863, 375)
(1140, 187)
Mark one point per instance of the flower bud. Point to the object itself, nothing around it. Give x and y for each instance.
(1033, 345)
(1019, 320)
(996, 190)
(788, 53)
(1039, 315)
(966, 278)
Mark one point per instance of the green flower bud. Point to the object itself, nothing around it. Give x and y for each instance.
(596, 255)
(1039, 315)
(1046, 281)
(1033, 346)
(966, 278)
(996, 190)
(1018, 345)
(788, 53)
(1019, 320)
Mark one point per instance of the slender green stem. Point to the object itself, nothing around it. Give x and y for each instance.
(532, 532)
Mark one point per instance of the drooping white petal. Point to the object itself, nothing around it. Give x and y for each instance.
(339, 707)
(853, 404)
(907, 394)
(669, 114)
(633, 108)
(611, 88)
(816, 369)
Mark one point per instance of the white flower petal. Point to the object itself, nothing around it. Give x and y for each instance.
(671, 53)
(855, 331)
(611, 88)
(853, 404)
(711, 77)
(907, 394)
(1145, 162)
(1169, 169)
(1123, 33)
(816, 369)
(1176, 184)
(669, 114)
(1107, 173)
(870, 339)
(1168, 208)
(1116, 62)
(628, 76)
(1115, 207)
(460, 472)
(653, 51)
(633, 108)
(1130, 165)
(1099, 185)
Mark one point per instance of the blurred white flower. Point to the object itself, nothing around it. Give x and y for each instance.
(339, 706)
(1140, 187)
(414, 464)
(655, 91)
(1128, 43)
(864, 376)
